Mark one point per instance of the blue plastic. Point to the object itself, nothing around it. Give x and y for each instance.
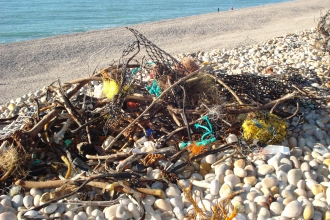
(154, 89)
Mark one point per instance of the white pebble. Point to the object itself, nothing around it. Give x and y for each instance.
(133, 209)
(28, 201)
(215, 187)
(292, 210)
(8, 216)
(172, 191)
(177, 202)
(123, 213)
(31, 213)
(97, 212)
(210, 159)
(6, 202)
(17, 201)
(68, 215)
(83, 215)
(163, 205)
(178, 213)
(50, 208)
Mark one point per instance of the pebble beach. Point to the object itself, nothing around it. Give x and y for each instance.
(291, 184)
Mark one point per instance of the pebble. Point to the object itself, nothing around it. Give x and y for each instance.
(123, 213)
(232, 180)
(265, 169)
(240, 172)
(172, 191)
(225, 190)
(163, 205)
(292, 210)
(50, 208)
(251, 180)
(294, 176)
(17, 201)
(269, 182)
(8, 216)
(28, 201)
(215, 187)
(210, 159)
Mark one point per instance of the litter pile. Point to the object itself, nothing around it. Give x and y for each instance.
(150, 126)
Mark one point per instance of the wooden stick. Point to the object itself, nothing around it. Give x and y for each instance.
(150, 106)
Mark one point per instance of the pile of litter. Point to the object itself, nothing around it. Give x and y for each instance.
(230, 134)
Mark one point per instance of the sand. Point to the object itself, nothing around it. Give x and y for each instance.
(31, 65)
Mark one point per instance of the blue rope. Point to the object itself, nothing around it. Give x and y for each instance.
(154, 89)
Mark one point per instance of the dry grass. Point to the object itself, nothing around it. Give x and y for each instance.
(13, 161)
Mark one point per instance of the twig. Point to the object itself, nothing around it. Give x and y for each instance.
(116, 175)
(262, 107)
(295, 113)
(40, 125)
(184, 117)
(127, 161)
(150, 106)
(226, 86)
(225, 158)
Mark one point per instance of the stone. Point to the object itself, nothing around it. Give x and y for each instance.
(31, 213)
(111, 211)
(215, 187)
(8, 216)
(269, 182)
(134, 210)
(240, 172)
(6, 202)
(36, 200)
(250, 170)
(232, 180)
(319, 148)
(292, 209)
(163, 205)
(205, 166)
(250, 206)
(282, 176)
(178, 213)
(35, 192)
(149, 199)
(221, 169)
(294, 176)
(239, 163)
(305, 167)
(293, 142)
(50, 208)
(318, 188)
(300, 192)
(313, 164)
(251, 180)
(97, 212)
(172, 191)
(210, 159)
(275, 159)
(284, 167)
(17, 201)
(82, 215)
(196, 176)
(177, 201)
(265, 169)
(209, 177)
(276, 208)
(28, 201)
(295, 162)
(205, 205)
(263, 211)
(123, 213)
(225, 190)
